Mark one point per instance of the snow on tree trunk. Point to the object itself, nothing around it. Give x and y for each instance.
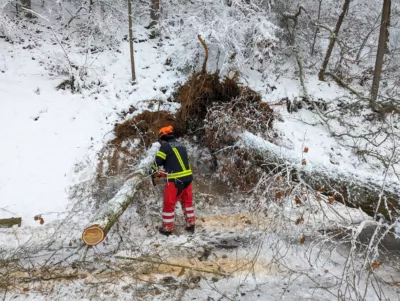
(103, 221)
(106, 218)
(131, 41)
(382, 46)
(346, 187)
(154, 13)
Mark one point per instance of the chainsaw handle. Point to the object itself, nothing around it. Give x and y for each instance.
(159, 174)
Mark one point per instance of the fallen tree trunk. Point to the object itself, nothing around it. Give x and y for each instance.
(106, 218)
(111, 212)
(101, 225)
(354, 190)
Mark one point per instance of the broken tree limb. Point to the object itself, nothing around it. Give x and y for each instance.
(343, 84)
(171, 264)
(204, 68)
(9, 222)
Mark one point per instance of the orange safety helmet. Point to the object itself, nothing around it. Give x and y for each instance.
(165, 131)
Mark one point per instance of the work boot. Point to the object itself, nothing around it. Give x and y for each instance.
(190, 229)
(164, 232)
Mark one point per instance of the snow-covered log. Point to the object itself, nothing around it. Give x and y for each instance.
(106, 218)
(103, 221)
(354, 189)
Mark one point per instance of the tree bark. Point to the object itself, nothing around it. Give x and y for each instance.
(296, 49)
(316, 29)
(131, 41)
(382, 47)
(154, 13)
(321, 74)
(105, 219)
(28, 5)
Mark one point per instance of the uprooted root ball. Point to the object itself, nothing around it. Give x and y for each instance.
(213, 110)
(205, 92)
(144, 126)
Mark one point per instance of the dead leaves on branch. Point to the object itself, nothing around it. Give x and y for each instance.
(39, 218)
(278, 195)
(302, 197)
(304, 161)
(375, 265)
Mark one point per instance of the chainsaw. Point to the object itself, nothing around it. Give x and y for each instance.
(159, 177)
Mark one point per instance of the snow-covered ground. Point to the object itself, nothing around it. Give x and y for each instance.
(49, 141)
(48, 133)
(45, 133)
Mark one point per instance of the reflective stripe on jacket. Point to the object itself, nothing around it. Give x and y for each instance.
(173, 156)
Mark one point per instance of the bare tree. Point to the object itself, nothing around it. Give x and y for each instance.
(382, 47)
(321, 74)
(364, 42)
(154, 13)
(131, 41)
(316, 29)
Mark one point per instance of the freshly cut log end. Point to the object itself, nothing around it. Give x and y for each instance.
(93, 235)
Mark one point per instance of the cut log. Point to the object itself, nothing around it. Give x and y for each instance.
(103, 221)
(93, 235)
(9, 222)
(106, 218)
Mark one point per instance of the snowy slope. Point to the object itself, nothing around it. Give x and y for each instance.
(47, 134)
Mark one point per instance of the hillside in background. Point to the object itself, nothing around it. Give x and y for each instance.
(296, 164)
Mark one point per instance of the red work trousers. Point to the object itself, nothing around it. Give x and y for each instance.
(170, 198)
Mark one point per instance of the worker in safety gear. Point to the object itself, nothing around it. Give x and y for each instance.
(173, 156)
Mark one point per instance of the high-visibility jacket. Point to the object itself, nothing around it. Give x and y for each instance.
(173, 156)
